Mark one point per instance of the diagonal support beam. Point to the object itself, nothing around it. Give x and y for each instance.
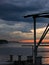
(37, 15)
(43, 35)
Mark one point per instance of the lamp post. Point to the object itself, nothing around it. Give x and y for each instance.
(35, 51)
(34, 16)
(34, 54)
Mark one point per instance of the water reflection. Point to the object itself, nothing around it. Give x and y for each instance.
(16, 49)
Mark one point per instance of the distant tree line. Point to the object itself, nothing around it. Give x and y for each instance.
(3, 41)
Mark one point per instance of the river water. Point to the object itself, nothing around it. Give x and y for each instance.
(16, 49)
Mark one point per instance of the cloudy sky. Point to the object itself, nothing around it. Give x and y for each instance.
(13, 26)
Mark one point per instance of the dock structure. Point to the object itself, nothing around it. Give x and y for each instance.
(19, 58)
(30, 59)
(11, 58)
(34, 16)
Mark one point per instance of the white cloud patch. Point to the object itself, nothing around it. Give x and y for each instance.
(20, 30)
(29, 35)
(13, 25)
(22, 35)
(39, 30)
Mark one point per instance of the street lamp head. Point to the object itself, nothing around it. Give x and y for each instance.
(37, 15)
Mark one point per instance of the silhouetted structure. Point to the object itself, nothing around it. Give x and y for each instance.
(30, 59)
(39, 60)
(19, 58)
(3, 41)
(34, 16)
(11, 58)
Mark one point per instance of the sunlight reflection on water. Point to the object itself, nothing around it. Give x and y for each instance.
(16, 49)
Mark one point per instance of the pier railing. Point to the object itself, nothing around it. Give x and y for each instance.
(41, 59)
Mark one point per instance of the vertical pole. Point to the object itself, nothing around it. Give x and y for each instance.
(35, 52)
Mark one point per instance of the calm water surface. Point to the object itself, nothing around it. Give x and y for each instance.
(16, 49)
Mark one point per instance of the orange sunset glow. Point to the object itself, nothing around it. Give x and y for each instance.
(29, 41)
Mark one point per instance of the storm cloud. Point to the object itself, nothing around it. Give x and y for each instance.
(12, 17)
(14, 10)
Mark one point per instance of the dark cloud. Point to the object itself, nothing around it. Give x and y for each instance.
(22, 26)
(2, 1)
(11, 11)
